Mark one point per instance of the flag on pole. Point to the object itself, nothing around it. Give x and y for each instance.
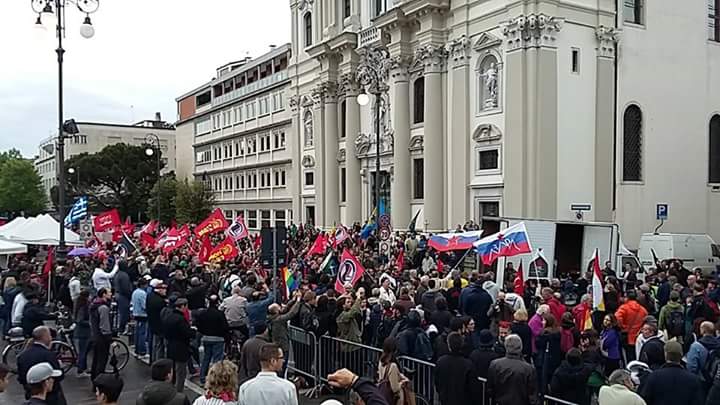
(128, 226)
(290, 283)
(597, 284)
(125, 246)
(204, 251)
(146, 240)
(349, 273)
(77, 212)
(213, 223)
(47, 268)
(413, 223)
(150, 227)
(319, 246)
(107, 220)
(340, 235)
(325, 265)
(237, 230)
(444, 242)
(400, 260)
(512, 241)
(519, 282)
(370, 226)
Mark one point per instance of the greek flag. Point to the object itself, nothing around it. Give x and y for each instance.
(77, 212)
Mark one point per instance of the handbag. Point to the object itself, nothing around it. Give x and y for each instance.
(385, 388)
(408, 394)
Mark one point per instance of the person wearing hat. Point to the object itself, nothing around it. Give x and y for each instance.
(671, 384)
(154, 304)
(178, 333)
(512, 381)
(139, 312)
(485, 353)
(39, 353)
(40, 381)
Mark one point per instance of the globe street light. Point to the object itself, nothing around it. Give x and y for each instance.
(73, 170)
(51, 14)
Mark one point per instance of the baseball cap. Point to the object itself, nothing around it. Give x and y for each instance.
(157, 284)
(41, 372)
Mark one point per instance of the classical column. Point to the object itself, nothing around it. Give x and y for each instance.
(604, 103)
(295, 144)
(319, 152)
(458, 139)
(400, 192)
(330, 173)
(353, 181)
(433, 58)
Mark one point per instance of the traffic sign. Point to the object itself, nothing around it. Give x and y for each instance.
(384, 221)
(580, 207)
(662, 211)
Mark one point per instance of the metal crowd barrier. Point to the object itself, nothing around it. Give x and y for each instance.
(315, 359)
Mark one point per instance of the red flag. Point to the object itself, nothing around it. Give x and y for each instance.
(226, 250)
(205, 249)
(440, 266)
(400, 261)
(173, 240)
(214, 223)
(319, 246)
(257, 242)
(107, 220)
(128, 227)
(340, 235)
(237, 229)
(150, 227)
(49, 262)
(117, 234)
(350, 272)
(184, 232)
(519, 283)
(146, 240)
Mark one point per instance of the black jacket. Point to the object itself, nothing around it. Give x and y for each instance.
(671, 384)
(37, 354)
(33, 316)
(481, 358)
(523, 331)
(154, 304)
(178, 287)
(161, 393)
(369, 392)
(512, 381)
(570, 383)
(122, 284)
(653, 353)
(456, 381)
(441, 320)
(196, 297)
(476, 302)
(212, 322)
(178, 334)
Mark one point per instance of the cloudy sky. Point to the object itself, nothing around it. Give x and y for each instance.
(144, 54)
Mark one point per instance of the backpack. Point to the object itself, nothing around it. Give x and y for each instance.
(385, 389)
(423, 349)
(711, 366)
(676, 323)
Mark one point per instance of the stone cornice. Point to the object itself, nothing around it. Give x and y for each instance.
(459, 51)
(531, 31)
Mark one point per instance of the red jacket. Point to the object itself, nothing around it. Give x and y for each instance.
(556, 308)
(630, 317)
(580, 315)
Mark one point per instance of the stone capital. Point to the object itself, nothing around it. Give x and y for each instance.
(325, 93)
(294, 103)
(399, 65)
(607, 38)
(347, 85)
(432, 57)
(531, 31)
(459, 51)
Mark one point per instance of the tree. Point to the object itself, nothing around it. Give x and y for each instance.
(194, 201)
(119, 176)
(21, 187)
(168, 192)
(12, 154)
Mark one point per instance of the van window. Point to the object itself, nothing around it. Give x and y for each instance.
(715, 250)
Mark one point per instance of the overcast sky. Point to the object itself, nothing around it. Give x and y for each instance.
(144, 54)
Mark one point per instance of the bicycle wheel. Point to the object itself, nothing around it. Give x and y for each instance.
(119, 356)
(10, 355)
(65, 354)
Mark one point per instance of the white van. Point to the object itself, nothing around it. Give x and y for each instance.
(695, 250)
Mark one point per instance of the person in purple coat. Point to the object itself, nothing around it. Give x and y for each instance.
(536, 323)
(610, 344)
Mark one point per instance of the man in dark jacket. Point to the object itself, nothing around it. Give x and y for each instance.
(453, 295)
(179, 284)
(570, 379)
(512, 381)
(100, 331)
(440, 318)
(213, 326)
(250, 353)
(34, 314)
(475, 302)
(178, 333)
(38, 353)
(484, 354)
(672, 384)
(161, 391)
(407, 340)
(428, 298)
(455, 379)
(154, 304)
(196, 294)
(123, 292)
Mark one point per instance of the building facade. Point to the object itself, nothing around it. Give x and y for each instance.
(238, 128)
(508, 108)
(94, 136)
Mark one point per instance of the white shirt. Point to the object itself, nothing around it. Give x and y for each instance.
(267, 389)
(74, 286)
(17, 309)
(617, 394)
(202, 400)
(387, 295)
(103, 279)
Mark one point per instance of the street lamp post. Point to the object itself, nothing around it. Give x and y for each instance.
(372, 74)
(52, 13)
(155, 141)
(73, 170)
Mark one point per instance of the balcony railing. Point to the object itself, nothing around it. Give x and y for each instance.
(251, 88)
(369, 36)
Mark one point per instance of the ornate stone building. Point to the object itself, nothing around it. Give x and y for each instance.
(493, 107)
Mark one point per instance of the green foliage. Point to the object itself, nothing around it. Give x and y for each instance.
(194, 201)
(168, 191)
(20, 185)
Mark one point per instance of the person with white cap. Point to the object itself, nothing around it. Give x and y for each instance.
(40, 381)
(39, 352)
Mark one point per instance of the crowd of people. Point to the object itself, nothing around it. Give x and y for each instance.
(651, 341)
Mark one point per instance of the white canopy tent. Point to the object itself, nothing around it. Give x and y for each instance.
(40, 230)
(11, 248)
(15, 223)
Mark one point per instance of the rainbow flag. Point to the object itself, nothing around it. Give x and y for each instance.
(290, 282)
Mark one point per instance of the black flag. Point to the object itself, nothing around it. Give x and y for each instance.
(411, 226)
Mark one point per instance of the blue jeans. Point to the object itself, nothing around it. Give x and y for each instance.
(140, 336)
(214, 352)
(82, 344)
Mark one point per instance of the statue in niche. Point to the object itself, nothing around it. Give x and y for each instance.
(490, 78)
(308, 124)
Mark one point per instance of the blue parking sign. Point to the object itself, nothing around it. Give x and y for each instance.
(661, 211)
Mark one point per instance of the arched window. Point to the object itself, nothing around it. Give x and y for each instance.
(308, 29)
(488, 81)
(308, 129)
(632, 144)
(419, 100)
(343, 118)
(714, 158)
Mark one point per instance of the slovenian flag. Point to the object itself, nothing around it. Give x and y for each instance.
(512, 241)
(444, 242)
(597, 285)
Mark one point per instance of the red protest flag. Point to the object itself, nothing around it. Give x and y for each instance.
(519, 282)
(237, 229)
(205, 248)
(400, 260)
(184, 232)
(173, 240)
(146, 240)
(257, 242)
(107, 220)
(226, 250)
(319, 246)
(350, 272)
(214, 223)
(128, 226)
(49, 262)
